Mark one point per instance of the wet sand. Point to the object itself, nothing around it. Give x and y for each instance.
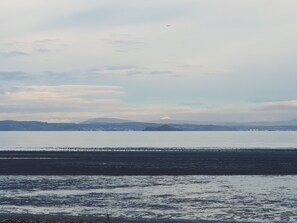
(27, 218)
(197, 162)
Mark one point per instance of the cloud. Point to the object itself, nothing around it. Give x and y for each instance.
(126, 43)
(70, 116)
(45, 41)
(42, 50)
(165, 118)
(45, 45)
(49, 107)
(130, 71)
(23, 79)
(112, 108)
(124, 67)
(36, 42)
(248, 47)
(64, 93)
(121, 70)
(14, 75)
(14, 54)
(61, 102)
(279, 106)
(161, 72)
(129, 13)
(48, 43)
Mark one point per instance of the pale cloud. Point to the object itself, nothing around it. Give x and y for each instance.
(279, 105)
(91, 55)
(125, 45)
(64, 93)
(120, 70)
(14, 54)
(49, 117)
(150, 113)
(130, 71)
(42, 50)
(37, 43)
(13, 75)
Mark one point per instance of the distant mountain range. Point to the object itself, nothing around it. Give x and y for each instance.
(105, 120)
(112, 124)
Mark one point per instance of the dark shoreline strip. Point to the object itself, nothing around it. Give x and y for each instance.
(28, 218)
(115, 163)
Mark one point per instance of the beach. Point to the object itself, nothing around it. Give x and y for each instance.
(148, 185)
(150, 162)
(26, 218)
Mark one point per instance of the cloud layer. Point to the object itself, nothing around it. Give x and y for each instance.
(187, 59)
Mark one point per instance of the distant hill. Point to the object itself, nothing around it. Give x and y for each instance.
(110, 124)
(10, 125)
(162, 128)
(105, 120)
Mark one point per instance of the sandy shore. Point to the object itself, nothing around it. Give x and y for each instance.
(198, 162)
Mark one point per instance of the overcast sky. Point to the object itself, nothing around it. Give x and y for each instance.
(203, 60)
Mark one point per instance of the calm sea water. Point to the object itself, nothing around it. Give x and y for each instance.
(50, 140)
(240, 198)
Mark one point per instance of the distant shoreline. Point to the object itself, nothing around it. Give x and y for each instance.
(11, 125)
(177, 162)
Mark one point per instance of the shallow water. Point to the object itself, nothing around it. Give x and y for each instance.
(240, 198)
(53, 140)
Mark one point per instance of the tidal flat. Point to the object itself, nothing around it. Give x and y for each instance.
(150, 162)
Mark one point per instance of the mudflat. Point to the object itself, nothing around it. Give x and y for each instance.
(177, 162)
(27, 218)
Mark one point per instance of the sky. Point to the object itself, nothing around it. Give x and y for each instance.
(200, 60)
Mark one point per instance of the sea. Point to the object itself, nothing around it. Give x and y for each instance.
(220, 198)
